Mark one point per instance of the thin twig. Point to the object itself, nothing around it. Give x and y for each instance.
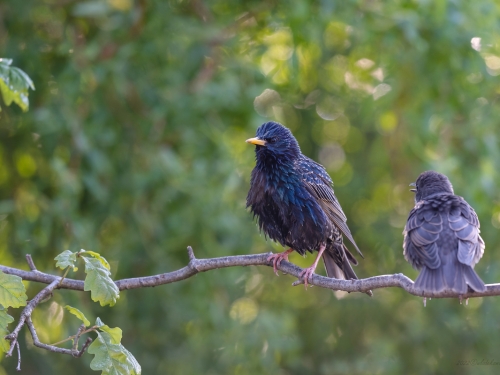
(201, 265)
(18, 368)
(191, 253)
(84, 347)
(77, 336)
(63, 276)
(30, 262)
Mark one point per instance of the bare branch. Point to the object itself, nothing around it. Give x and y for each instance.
(27, 311)
(18, 368)
(80, 331)
(25, 318)
(191, 254)
(195, 266)
(55, 349)
(30, 262)
(201, 265)
(43, 278)
(84, 347)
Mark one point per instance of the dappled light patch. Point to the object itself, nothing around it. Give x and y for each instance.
(244, 310)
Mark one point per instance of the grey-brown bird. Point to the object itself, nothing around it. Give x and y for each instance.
(441, 238)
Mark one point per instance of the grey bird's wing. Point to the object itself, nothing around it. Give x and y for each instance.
(420, 236)
(464, 222)
(320, 186)
(425, 225)
(441, 238)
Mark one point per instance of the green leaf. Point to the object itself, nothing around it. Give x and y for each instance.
(116, 333)
(18, 97)
(99, 323)
(111, 358)
(97, 256)
(14, 84)
(66, 259)
(78, 314)
(12, 291)
(5, 320)
(99, 282)
(136, 367)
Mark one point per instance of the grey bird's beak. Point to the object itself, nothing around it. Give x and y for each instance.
(256, 141)
(413, 190)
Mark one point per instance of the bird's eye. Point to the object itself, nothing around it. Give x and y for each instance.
(272, 140)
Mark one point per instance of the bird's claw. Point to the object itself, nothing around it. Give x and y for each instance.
(277, 258)
(306, 275)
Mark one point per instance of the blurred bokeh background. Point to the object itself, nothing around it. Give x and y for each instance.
(133, 147)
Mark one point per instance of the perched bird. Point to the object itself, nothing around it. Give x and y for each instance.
(441, 238)
(293, 200)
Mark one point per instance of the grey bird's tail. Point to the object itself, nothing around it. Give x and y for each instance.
(455, 277)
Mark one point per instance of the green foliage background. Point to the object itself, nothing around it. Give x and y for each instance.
(134, 147)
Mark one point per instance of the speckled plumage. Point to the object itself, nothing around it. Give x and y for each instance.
(293, 200)
(441, 238)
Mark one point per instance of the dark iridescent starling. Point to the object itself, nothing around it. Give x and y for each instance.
(441, 238)
(293, 200)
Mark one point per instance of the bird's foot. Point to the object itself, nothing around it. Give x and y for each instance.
(277, 258)
(306, 274)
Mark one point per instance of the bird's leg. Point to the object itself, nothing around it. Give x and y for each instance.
(277, 258)
(308, 272)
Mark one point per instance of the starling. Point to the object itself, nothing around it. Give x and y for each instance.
(441, 238)
(293, 200)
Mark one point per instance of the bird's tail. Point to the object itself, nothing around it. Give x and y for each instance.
(338, 266)
(456, 277)
(337, 260)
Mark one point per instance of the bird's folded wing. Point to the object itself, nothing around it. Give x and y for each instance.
(464, 222)
(421, 233)
(319, 185)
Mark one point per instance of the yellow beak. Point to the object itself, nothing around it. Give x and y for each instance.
(256, 141)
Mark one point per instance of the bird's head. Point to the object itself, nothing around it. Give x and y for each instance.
(273, 140)
(430, 183)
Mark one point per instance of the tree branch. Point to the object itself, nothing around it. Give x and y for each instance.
(74, 352)
(30, 262)
(18, 368)
(201, 265)
(195, 266)
(25, 318)
(26, 314)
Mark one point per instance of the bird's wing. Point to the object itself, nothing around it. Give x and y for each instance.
(320, 186)
(465, 223)
(421, 233)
